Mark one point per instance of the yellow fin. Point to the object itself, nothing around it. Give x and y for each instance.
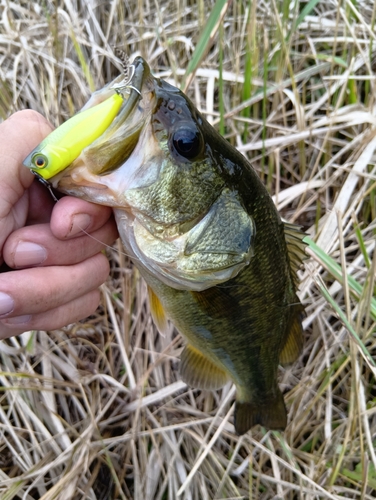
(157, 312)
(271, 414)
(295, 248)
(199, 372)
(294, 342)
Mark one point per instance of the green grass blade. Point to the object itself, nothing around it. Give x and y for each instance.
(305, 12)
(362, 246)
(336, 271)
(83, 63)
(220, 83)
(205, 41)
(247, 86)
(325, 293)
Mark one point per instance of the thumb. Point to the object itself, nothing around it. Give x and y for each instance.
(19, 134)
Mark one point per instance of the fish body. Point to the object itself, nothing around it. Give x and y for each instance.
(206, 236)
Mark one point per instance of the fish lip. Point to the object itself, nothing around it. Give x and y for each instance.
(139, 70)
(111, 177)
(117, 143)
(133, 86)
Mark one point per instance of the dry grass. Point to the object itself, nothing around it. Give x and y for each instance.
(96, 410)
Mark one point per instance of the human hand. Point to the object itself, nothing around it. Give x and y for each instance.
(58, 268)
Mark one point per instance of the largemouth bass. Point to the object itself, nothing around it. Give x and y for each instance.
(205, 235)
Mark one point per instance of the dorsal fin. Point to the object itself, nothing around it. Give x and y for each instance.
(199, 371)
(295, 248)
(157, 312)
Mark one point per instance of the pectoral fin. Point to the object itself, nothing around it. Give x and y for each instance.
(157, 312)
(270, 414)
(199, 371)
(217, 302)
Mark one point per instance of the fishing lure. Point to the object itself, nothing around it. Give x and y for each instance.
(60, 148)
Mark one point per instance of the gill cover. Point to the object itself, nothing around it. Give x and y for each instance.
(213, 251)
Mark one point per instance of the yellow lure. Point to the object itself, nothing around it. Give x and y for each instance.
(60, 148)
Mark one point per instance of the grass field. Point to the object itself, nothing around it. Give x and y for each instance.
(96, 410)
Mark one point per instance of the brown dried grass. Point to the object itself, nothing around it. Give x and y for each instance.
(96, 410)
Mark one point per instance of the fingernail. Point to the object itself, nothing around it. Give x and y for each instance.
(80, 222)
(17, 320)
(29, 254)
(6, 304)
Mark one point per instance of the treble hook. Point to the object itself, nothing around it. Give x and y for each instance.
(128, 70)
(45, 183)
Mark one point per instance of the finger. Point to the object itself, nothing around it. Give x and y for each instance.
(37, 290)
(37, 246)
(73, 311)
(71, 216)
(41, 204)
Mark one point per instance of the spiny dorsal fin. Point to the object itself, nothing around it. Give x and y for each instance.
(157, 312)
(200, 372)
(295, 248)
(294, 343)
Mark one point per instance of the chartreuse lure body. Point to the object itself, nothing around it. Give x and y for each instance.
(60, 148)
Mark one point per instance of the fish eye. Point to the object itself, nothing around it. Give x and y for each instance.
(187, 141)
(40, 161)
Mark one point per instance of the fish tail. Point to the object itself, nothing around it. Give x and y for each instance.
(270, 414)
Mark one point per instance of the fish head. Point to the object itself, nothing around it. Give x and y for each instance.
(159, 167)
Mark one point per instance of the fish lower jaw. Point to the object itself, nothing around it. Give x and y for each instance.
(75, 179)
(81, 183)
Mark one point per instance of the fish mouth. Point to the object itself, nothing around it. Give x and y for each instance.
(106, 162)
